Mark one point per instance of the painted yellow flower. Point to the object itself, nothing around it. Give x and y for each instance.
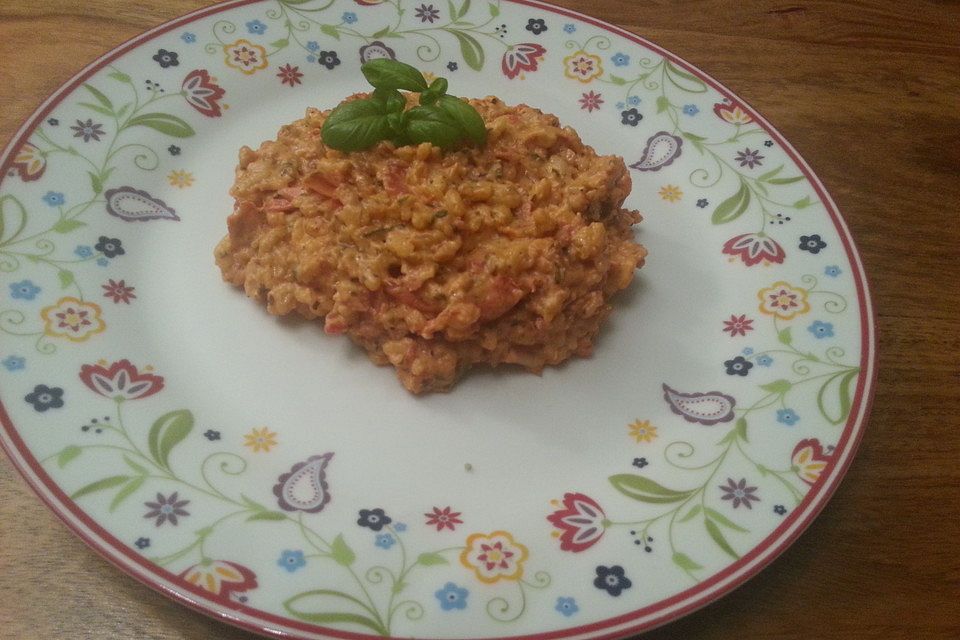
(582, 66)
(429, 76)
(245, 56)
(670, 193)
(495, 556)
(260, 439)
(643, 431)
(783, 300)
(73, 319)
(180, 178)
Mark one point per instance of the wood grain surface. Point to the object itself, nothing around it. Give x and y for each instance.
(869, 92)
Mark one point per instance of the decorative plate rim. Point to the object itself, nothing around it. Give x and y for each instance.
(638, 620)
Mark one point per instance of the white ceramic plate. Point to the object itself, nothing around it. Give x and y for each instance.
(267, 474)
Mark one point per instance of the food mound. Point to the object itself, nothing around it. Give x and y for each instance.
(434, 261)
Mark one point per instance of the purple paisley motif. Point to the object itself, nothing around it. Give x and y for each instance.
(304, 487)
(705, 408)
(662, 149)
(134, 205)
(376, 49)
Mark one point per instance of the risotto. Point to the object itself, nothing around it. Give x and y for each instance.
(436, 261)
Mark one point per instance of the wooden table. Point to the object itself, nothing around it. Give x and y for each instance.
(869, 92)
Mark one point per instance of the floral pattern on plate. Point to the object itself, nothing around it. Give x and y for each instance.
(730, 453)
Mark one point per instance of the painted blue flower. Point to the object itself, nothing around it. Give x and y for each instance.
(702, 203)
(787, 416)
(54, 198)
(311, 59)
(833, 271)
(633, 100)
(24, 290)
(256, 27)
(313, 45)
(821, 330)
(142, 543)
(102, 262)
(292, 560)
(567, 606)
(620, 59)
(452, 66)
(14, 363)
(764, 360)
(83, 251)
(188, 37)
(569, 27)
(748, 351)
(621, 105)
(385, 540)
(452, 597)
(690, 109)
(400, 527)
(349, 17)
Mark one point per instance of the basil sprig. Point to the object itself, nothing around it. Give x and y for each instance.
(440, 119)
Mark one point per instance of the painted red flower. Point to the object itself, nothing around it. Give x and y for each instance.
(738, 325)
(521, 57)
(732, 112)
(289, 75)
(444, 518)
(202, 93)
(29, 163)
(120, 381)
(591, 101)
(581, 522)
(118, 291)
(809, 460)
(221, 578)
(754, 248)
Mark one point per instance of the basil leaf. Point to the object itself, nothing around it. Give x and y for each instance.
(396, 123)
(433, 93)
(465, 116)
(439, 85)
(393, 100)
(384, 73)
(356, 125)
(432, 124)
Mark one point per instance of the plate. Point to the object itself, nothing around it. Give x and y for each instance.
(269, 475)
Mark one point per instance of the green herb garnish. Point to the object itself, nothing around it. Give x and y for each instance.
(440, 119)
